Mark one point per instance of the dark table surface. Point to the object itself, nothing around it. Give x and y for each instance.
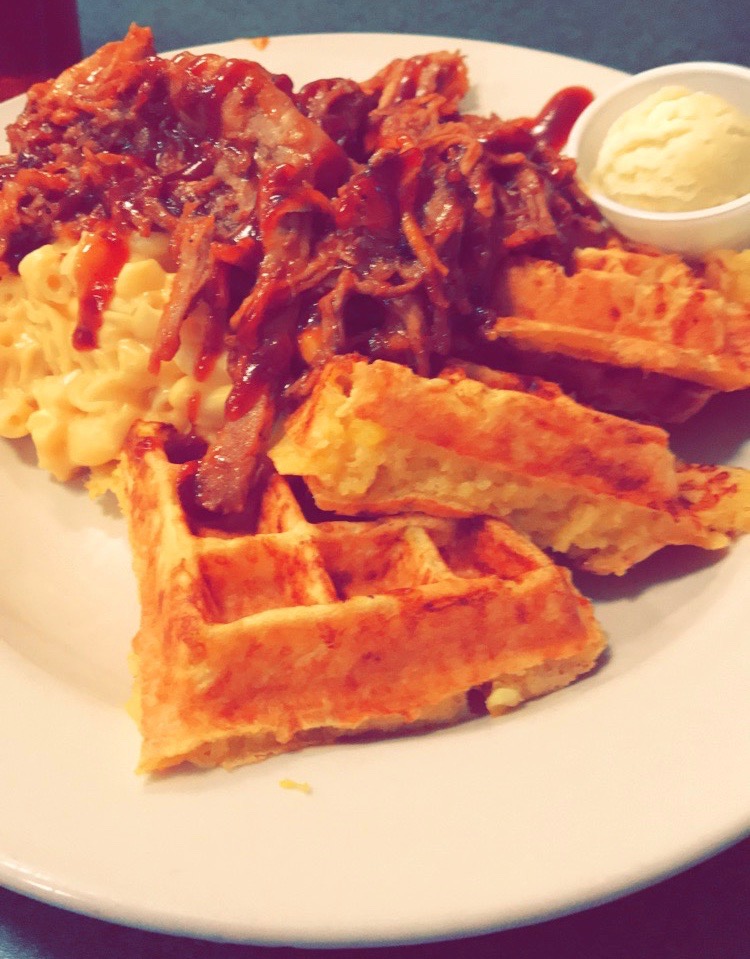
(636, 35)
(701, 913)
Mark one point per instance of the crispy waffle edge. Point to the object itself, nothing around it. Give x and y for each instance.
(608, 492)
(303, 634)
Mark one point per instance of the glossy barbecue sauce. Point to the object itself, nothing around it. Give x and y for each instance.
(98, 265)
(208, 81)
(553, 123)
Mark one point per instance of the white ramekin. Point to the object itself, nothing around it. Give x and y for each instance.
(692, 233)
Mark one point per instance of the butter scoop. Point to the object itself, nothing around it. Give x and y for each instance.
(677, 150)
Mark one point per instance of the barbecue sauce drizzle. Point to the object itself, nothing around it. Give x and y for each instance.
(552, 125)
(98, 265)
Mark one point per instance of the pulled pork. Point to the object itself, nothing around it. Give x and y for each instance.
(370, 217)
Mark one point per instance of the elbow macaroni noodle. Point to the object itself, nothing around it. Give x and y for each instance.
(77, 406)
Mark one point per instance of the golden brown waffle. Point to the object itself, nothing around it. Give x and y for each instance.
(377, 438)
(647, 323)
(304, 632)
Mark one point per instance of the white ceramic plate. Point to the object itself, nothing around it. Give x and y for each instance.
(591, 792)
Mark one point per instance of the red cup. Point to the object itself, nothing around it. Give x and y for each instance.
(38, 40)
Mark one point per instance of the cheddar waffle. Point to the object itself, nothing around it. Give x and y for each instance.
(662, 336)
(305, 632)
(376, 438)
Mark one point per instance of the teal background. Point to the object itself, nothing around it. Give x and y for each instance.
(630, 35)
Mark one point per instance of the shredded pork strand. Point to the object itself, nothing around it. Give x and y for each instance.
(370, 217)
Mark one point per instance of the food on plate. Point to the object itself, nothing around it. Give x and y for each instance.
(375, 438)
(78, 405)
(632, 331)
(366, 216)
(192, 250)
(342, 214)
(675, 151)
(307, 632)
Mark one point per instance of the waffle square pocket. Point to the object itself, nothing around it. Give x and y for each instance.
(304, 632)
